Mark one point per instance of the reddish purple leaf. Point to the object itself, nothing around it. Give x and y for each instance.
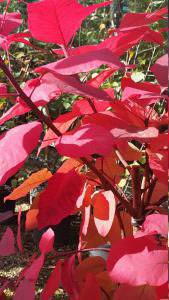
(160, 70)
(6, 215)
(46, 242)
(25, 290)
(7, 243)
(155, 223)
(3, 89)
(19, 239)
(53, 282)
(59, 198)
(32, 272)
(83, 63)
(86, 140)
(56, 26)
(22, 140)
(138, 261)
(10, 22)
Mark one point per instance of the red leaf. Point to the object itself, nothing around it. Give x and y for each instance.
(160, 70)
(71, 85)
(104, 210)
(7, 243)
(159, 164)
(86, 140)
(119, 44)
(162, 291)
(101, 77)
(133, 293)
(46, 242)
(20, 37)
(10, 22)
(83, 63)
(25, 290)
(59, 198)
(121, 126)
(83, 107)
(68, 278)
(16, 110)
(134, 20)
(144, 93)
(53, 282)
(100, 206)
(91, 289)
(56, 26)
(62, 123)
(133, 133)
(144, 261)
(22, 140)
(3, 89)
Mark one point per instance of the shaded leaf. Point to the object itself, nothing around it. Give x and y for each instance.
(83, 63)
(52, 283)
(59, 198)
(144, 292)
(25, 290)
(7, 243)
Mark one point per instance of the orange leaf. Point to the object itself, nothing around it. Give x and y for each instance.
(93, 239)
(31, 216)
(31, 219)
(69, 165)
(109, 166)
(33, 181)
(130, 152)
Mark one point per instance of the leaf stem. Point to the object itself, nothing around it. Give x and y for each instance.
(27, 100)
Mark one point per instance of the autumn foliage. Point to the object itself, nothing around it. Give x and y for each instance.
(105, 139)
